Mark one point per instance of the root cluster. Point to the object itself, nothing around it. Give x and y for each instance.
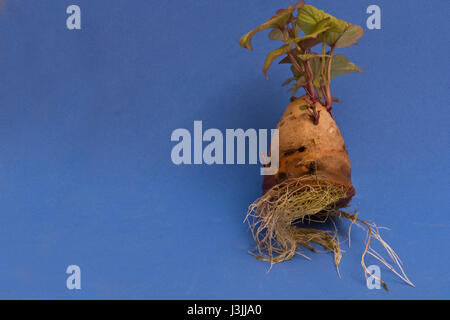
(278, 221)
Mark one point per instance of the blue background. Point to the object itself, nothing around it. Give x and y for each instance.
(86, 176)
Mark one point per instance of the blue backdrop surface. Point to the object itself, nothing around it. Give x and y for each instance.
(86, 176)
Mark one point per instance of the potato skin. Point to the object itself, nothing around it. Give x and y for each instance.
(312, 150)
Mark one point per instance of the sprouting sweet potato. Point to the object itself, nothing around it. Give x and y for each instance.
(313, 182)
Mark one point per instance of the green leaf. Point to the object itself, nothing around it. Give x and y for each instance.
(276, 34)
(341, 65)
(335, 32)
(310, 18)
(277, 21)
(275, 54)
(320, 28)
(350, 36)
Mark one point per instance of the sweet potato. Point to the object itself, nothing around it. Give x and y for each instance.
(313, 182)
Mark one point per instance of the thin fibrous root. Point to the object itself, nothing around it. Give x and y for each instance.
(373, 232)
(274, 220)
